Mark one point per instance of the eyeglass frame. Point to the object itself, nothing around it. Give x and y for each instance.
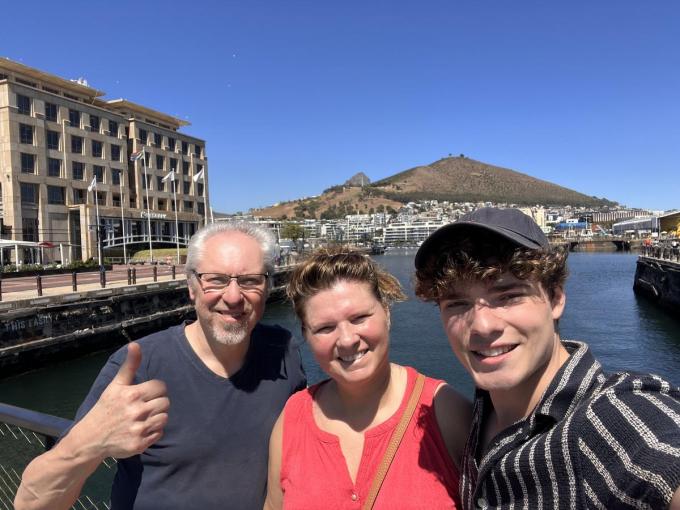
(231, 277)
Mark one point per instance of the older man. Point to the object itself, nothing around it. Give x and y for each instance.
(551, 429)
(189, 409)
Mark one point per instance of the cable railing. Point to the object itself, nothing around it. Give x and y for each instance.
(25, 434)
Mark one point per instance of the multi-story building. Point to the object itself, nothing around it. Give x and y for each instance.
(58, 137)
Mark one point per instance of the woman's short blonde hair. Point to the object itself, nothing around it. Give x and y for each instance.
(327, 266)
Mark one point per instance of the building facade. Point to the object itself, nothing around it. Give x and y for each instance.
(62, 147)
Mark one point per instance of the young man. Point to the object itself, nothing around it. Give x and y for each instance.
(188, 410)
(550, 428)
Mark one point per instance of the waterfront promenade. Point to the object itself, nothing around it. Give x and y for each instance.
(28, 288)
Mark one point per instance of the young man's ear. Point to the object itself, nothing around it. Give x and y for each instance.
(558, 302)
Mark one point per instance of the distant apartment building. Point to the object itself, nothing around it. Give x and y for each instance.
(57, 136)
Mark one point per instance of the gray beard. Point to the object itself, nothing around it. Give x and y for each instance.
(231, 334)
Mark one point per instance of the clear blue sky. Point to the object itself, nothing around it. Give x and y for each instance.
(295, 96)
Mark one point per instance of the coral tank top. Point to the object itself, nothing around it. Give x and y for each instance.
(314, 473)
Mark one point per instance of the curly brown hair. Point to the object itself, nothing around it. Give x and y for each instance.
(327, 266)
(485, 258)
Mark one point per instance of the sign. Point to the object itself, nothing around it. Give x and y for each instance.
(156, 215)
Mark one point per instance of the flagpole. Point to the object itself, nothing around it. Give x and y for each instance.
(174, 192)
(99, 241)
(122, 215)
(148, 213)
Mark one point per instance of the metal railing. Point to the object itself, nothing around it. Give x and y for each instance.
(664, 251)
(25, 434)
(32, 286)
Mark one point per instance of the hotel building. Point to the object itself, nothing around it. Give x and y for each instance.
(57, 136)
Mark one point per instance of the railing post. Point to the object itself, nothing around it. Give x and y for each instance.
(173, 271)
(102, 277)
(134, 276)
(0, 287)
(38, 280)
(129, 275)
(155, 273)
(74, 281)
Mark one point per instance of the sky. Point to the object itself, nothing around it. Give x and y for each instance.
(295, 96)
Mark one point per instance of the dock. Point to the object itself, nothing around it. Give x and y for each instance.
(657, 276)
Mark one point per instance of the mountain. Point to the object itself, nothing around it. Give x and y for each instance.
(360, 179)
(461, 179)
(456, 179)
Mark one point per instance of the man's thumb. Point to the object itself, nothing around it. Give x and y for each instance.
(126, 372)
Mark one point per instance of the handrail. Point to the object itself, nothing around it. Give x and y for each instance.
(46, 424)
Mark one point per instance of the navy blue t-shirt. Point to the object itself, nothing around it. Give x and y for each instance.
(214, 449)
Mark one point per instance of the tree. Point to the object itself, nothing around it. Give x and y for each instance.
(292, 231)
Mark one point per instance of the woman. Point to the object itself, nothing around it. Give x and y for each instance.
(331, 439)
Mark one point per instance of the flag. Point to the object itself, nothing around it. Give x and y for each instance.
(137, 155)
(93, 184)
(198, 176)
(170, 176)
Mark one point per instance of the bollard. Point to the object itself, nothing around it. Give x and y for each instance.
(102, 277)
(74, 281)
(173, 271)
(129, 275)
(0, 288)
(155, 273)
(38, 280)
(134, 276)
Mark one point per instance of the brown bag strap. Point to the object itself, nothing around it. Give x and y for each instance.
(394, 442)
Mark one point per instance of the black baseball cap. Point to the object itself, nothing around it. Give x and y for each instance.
(511, 224)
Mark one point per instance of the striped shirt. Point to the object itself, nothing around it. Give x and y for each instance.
(594, 440)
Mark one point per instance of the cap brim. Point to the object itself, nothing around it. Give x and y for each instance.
(450, 232)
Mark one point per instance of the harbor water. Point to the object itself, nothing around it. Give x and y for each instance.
(624, 331)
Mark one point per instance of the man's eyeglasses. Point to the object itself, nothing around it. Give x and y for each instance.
(217, 282)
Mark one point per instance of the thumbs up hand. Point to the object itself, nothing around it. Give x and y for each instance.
(128, 417)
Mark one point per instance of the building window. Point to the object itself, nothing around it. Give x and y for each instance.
(160, 184)
(143, 136)
(186, 187)
(29, 193)
(197, 151)
(185, 148)
(96, 149)
(173, 165)
(76, 144)
(160, 160)
(185, 167)
(162, 205)
(172, 205)
(172, 143)
(201, 208)
(115, 176)
(188, 205)
(147, 159)
(77, 171)
(26, 134)
(115, 152)
(27, 163)
(53, 140)
(56, 195)
(101, 197)
(54, 167)
(94, 123)
(115, 200)
(29, 229)
(24, 104)
(157, 138)
(51, 112)
(145, 204)
(113, 128)
(146, 182)
(74, 118)
(78, 196)
(98, 172)
(199, 188)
